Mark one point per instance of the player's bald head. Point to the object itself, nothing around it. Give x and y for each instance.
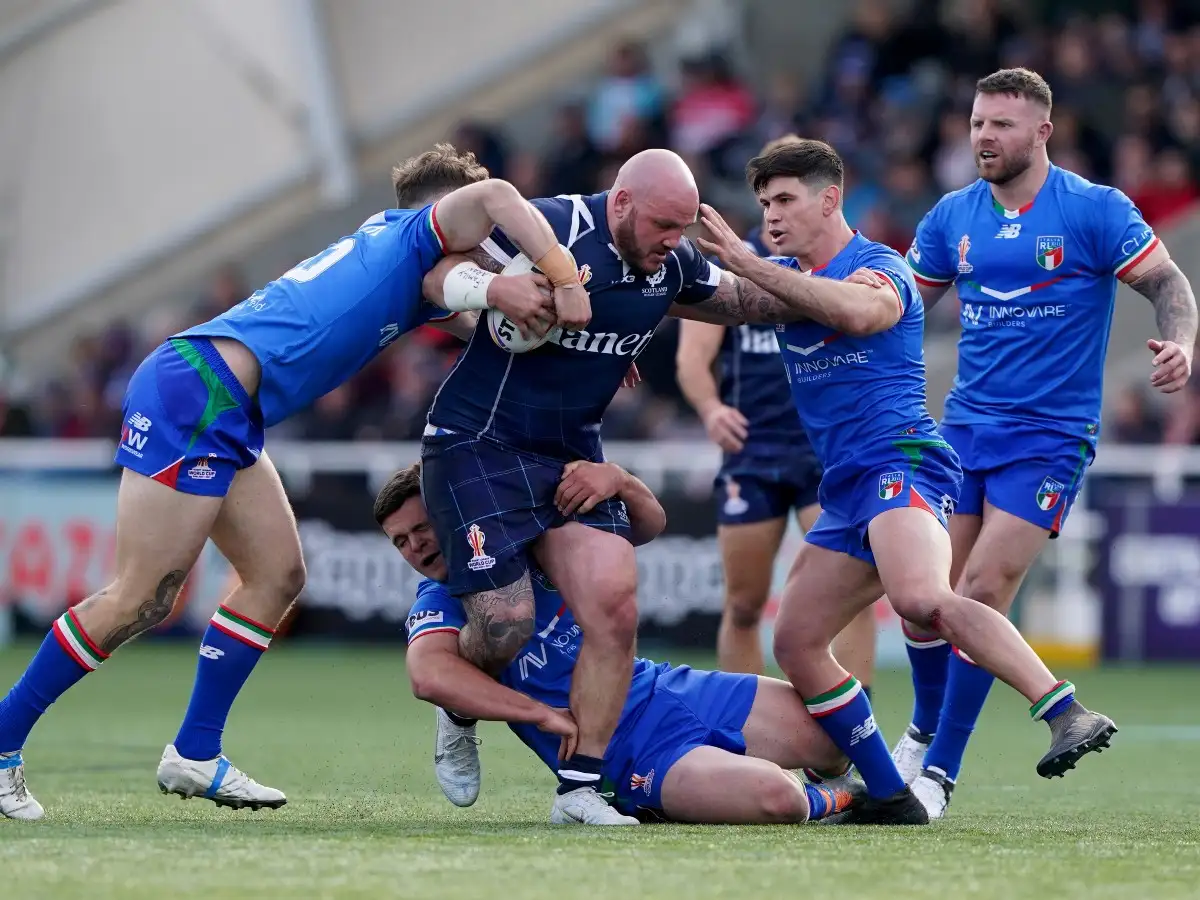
(658, 175)
(653, 199)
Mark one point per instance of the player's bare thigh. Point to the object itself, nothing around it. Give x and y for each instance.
(806, 516)
(714, 786)
(160, 533)
(1001, 555)
(964, 532)
(748, 559)
(596, 572)
(256, 532)
(779, 729)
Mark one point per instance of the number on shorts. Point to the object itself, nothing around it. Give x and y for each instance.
(315, 265)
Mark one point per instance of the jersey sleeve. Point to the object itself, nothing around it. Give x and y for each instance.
(558, 212)
(699, 277)
(898, 276)
(929, 256)
(1125, 238)
(435, 611)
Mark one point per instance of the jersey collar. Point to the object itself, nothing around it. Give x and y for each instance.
(598, 205)
(849, 250)
(1004, 213)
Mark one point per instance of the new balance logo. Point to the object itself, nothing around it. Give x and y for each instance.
(863, 731)
(140, 422)
(1009, 231)
(210, 652)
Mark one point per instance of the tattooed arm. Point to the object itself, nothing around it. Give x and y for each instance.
(1159, 280)
(499, 624)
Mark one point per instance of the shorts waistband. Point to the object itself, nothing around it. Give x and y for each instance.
(220, 368)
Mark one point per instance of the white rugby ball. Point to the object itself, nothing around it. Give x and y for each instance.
(504, 332)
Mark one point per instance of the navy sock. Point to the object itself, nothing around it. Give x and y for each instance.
(229, 650)
(928, 658)
(460, 721)
(1054, 702)
(845, 713)
(967, 689)
(579, 771)
(66, 655)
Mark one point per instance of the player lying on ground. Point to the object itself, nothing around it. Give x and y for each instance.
(858, 379)
(769, 469)
(1035, 254)
(690, 745)
(192, 448)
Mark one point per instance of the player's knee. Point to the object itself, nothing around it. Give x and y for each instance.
(992, 583)
(610, 613)
(781, 799)
(743, 609)
(794, 646)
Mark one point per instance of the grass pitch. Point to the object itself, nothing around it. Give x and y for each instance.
(338, 731)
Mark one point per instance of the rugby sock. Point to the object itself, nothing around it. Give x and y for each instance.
(845, 713)
(66, 655)
(967, 688)
(821, 801)
(928, 658)
(229, 650)
(1054, 703)
(460, 721)
(579, 771)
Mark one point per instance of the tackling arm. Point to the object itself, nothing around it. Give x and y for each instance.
(769, 292)
(647, 518)
(439, 675)
(931, 294)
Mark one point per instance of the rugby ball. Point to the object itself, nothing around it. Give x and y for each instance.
(504, 332)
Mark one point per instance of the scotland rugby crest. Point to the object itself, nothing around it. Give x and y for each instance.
(1049, 252)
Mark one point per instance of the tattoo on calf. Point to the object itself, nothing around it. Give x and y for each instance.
(499, 623)
(151, 613)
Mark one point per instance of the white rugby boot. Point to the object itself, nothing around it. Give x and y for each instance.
(584, 806)
(909, 753)
(456, 760)
(15, 800)
(933, 789)
(217, 780)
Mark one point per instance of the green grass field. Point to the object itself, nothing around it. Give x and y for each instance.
(338, 731)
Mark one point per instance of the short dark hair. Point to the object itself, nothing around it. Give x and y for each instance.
(445, 168)
(400, 488)
(1017, 83)
(813, 162)
(781, 141)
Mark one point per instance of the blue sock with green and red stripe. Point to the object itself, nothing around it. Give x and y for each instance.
(231, 647)
(967, 687)
(845, 713)
(66, 655)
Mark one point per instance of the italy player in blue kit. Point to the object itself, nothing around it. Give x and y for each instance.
(1034, 253)
(769, 470)
(690, 745)
(192, 449)
(857, 371)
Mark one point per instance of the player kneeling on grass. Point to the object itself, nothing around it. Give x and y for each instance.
(691, 745)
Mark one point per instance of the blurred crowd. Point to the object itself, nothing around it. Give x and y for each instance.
(893, 95)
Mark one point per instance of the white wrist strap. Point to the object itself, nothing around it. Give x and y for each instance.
(465, 288)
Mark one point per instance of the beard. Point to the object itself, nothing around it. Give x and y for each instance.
(1013, 167)
(626, 243)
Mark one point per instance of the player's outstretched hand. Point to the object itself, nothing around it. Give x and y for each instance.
(562, 723)
(573, 306)
(584, 484)
(726, 427)
(865, 276)
(526, 300)
(632, 378)
(1172, 366)
(725, 244)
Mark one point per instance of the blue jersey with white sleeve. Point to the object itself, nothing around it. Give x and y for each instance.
(1036, 287)
(550, 400)
(318, 324)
